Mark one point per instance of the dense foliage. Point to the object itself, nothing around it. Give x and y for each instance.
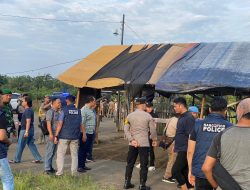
(36, 87)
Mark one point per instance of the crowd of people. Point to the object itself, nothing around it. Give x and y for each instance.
(202, 153)
(68, 127)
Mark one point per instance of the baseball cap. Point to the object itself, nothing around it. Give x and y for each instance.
(193, 109)
(243, 108)
(70, 97)
(141, 100)
(6, 91)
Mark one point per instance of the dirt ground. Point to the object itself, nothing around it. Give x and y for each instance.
(110, 161)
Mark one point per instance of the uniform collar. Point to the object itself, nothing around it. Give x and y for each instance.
(216, 115)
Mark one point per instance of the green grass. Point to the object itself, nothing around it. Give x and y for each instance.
(31, 181)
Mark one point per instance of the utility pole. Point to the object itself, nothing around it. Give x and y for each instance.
(123, 23)
(119, 92)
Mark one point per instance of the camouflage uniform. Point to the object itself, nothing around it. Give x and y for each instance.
(7, 109)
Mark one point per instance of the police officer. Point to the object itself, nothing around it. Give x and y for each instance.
(137, 125)
(67, 134)
(7, 109)
(201, 139)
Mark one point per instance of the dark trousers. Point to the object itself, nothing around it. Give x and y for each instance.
(132, 156)
(151, 154)
(84, 148)
(91, 138)
(180, 169)
(202, 184)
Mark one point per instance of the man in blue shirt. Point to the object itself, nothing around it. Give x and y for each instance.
(201, 139)
(67, 134)
(184, 127)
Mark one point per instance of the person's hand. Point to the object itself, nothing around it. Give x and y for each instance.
(56, 140)
(84, 137)
(26, 134)
(9, 142)
(154, 143)
(51, 137)
(191, 178)
(134, 143)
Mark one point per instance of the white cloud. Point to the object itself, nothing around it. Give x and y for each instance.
(155, 21)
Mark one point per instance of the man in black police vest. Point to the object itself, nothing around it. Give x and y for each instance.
(201, 139)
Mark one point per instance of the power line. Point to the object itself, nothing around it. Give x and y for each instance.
(58, 20)
(38, 69)
(137, 35)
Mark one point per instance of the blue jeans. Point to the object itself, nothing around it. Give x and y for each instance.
(84, 148)
(6, 175)
(49, 155)
(30, 142)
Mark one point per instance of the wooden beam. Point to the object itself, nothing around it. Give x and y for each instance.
(202, 106)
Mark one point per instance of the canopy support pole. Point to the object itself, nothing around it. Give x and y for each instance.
(118, 110)
(202, 106)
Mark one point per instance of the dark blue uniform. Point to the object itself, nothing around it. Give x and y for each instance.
(203, 133)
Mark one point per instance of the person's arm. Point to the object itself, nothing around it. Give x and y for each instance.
(210, 161)
(3, 132)
(128, 134)
(83, 130)
(59, 126)
(28, 122)
(190, 154)
(190, 123)
(49, 121)
(153, 133)
(45, 106)
(207, 168)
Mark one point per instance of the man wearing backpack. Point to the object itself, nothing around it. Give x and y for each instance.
(232, 148)
(201, 139)
(52, 116)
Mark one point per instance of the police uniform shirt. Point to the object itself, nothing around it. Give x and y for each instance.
(137, 126)
(184, 127)
(203, 133)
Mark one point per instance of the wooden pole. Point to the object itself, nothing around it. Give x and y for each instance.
(78, 98)
(202, 106)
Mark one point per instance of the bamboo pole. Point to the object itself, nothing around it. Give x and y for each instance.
(202, 106)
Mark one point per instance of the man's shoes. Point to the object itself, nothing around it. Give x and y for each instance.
(86, 168)
(88, 160)
(48, 172)
(151, 168)
(81, 170)
(144, 187)
(52, 170)
(168, 180)
(128, 185)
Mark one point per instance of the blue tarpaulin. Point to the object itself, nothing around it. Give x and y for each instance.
(209, 66)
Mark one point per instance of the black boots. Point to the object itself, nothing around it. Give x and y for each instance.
(128, 184)
(144, 187)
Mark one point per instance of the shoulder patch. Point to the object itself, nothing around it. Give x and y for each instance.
(126, 122)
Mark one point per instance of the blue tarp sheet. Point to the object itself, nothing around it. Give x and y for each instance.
(209, 66)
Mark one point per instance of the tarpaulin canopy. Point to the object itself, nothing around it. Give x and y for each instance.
(112, 66)
(209, 66)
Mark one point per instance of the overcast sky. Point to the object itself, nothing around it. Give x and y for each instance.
(31, 44)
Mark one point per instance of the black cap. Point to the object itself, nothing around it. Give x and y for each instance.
(149, 104)
(71, 98)
(141, 100)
